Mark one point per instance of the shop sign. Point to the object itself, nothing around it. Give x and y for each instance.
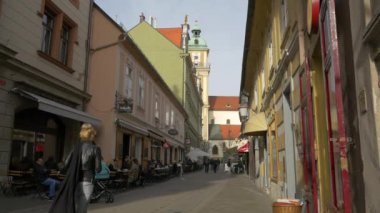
(166, 145)
(125, 106)
(172, 132)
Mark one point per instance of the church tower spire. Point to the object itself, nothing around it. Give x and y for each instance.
(199, 51)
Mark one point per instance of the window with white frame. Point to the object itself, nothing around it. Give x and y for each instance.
(270, 51)
(172, 118)
(167, 115)
(64, 40)
(128, 81)
(262, 80)
(156, 106)
(255, 95)
(141, 91)
(57, 47)
(284, 15)
(47, 32)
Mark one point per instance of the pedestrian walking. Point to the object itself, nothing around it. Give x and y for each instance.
(206, 163)
(81, 165)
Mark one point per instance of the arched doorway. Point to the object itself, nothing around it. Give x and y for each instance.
(215, 150)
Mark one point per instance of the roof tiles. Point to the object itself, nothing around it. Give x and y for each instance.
(224, 103)
(173, 34)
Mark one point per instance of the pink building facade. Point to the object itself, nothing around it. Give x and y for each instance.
(141, 118)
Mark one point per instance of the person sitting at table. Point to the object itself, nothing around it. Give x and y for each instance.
(42, 176)
(50, 164)
(133, 171)
(126, 162)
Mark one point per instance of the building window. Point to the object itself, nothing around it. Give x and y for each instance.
(47, 31)
(274, 155)
(167, 116)
(172, 118)
(256, 96)
(75, 3)
(263, 80)
(141, 92)
(59, 34)
(128, 82)
(270, 51)
(64, 44)
(284, 16)
(156, 106)
(228, 121)
(213, 121)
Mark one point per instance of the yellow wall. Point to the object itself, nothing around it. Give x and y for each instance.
(321, 137)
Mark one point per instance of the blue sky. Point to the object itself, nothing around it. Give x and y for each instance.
(222, 23)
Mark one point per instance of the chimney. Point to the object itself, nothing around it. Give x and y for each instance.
(142, 17)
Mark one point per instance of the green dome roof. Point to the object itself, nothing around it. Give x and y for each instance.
(197, 41)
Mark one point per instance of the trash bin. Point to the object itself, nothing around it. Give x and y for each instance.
(287, 206)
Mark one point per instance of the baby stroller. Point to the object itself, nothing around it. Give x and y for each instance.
(102, 180)
(101, 190)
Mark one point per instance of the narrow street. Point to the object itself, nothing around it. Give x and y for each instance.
(195, 192)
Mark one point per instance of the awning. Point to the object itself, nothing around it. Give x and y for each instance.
(244, 148)
(256, 124)
(132, 127)
(48, 105)
(155, 135)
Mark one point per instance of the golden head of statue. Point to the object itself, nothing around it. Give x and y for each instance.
(87, 132)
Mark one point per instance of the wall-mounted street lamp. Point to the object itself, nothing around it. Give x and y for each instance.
(243, 112)
(243, 108)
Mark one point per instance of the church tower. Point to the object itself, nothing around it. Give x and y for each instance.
(199, 51)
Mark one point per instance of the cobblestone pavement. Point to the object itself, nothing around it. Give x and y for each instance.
(196, 192)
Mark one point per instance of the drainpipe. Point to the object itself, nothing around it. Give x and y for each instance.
(88, 45)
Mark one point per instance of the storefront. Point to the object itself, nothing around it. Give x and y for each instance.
(42, 127)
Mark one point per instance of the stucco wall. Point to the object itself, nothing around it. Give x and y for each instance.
(21, 31)
(220, 117)
(369, 122)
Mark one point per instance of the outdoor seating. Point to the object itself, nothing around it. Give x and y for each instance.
(119, 179)
(16, 185)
